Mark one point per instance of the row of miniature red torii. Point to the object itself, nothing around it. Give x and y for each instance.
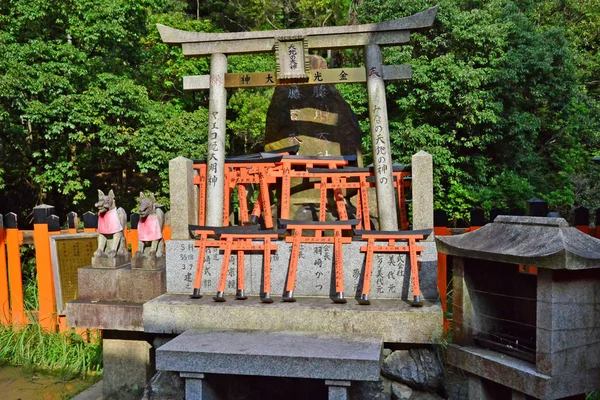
(244, 239)
(326, 172)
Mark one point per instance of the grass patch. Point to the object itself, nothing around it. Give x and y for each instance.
(66, 354)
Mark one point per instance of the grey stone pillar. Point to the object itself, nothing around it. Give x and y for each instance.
(193, 385)
(184, 209)
(217, 107)
(380, 138)
(338, 390)
(422, 191)
(127, 367)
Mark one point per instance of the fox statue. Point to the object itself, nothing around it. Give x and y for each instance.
(152, 220)
(111, 240)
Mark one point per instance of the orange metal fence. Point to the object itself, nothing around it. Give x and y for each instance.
(12, 306)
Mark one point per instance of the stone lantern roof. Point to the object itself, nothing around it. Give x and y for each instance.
(534, 241)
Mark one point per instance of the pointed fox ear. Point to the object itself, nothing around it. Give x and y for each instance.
(100, 193)
(111, 194)
(152, 197)
(142, 196)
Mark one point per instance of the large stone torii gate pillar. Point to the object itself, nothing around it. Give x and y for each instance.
(292, 46)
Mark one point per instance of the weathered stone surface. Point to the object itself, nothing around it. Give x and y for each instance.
(120, 284)
(182, 196)
(400, 391)
(540, 241)
(387, 210)
(418, 368)
(518, 374)
(392, 320)
(126, 368)
(265, 353)
(140, 285)
(416, 395)
(141, 261)
(419, 21)
(165, 385)
(456, 384)
(391, 273)
(105, 315)
(217, 107)
(97, 283)
(422, 190)
(105, 261)
(378, 390)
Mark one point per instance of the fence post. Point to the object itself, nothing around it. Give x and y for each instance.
(494, 212)
(41, 239)
(132, 235)
(167, 232)
(90, 222)
(582, 219)
(15, 278)
(4, 303)
(72, 222)
(477, 219)
(537, 208)
(597, 223)
(440, 228)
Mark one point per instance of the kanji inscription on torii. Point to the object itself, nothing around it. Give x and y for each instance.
(291, 47)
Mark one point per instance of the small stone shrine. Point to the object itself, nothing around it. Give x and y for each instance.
(269, 304)
(525, 308)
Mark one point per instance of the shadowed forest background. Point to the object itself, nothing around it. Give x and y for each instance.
(505, 95)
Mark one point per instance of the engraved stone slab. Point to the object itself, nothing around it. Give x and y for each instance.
(315, 275)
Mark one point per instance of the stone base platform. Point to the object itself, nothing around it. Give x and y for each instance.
(519, 375)
(111, 315)
(392, 320)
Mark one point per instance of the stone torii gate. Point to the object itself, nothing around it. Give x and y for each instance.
(292, 48)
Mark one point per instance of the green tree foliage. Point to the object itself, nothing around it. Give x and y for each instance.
(90, 98)
(498, 100)
(504, 94)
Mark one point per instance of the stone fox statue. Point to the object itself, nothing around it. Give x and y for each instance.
(152, 220)
(111, 221)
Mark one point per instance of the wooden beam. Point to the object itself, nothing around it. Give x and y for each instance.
(316, 77)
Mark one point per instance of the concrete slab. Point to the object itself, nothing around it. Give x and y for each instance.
(391, 320)
(315, 276)
(521, 375)
(346, 357)
(105, 315)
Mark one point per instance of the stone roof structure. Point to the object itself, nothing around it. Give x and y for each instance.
(538, 241)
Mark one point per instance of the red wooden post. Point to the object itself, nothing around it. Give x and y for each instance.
(14, 238)
(224, 266)
(41, 238)
(440, 221)
(4, 303)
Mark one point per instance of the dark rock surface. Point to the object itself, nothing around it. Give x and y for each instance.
(380, 390)
(165, 385)
(418, 368)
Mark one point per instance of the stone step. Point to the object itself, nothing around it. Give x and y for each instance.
(344, 357)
